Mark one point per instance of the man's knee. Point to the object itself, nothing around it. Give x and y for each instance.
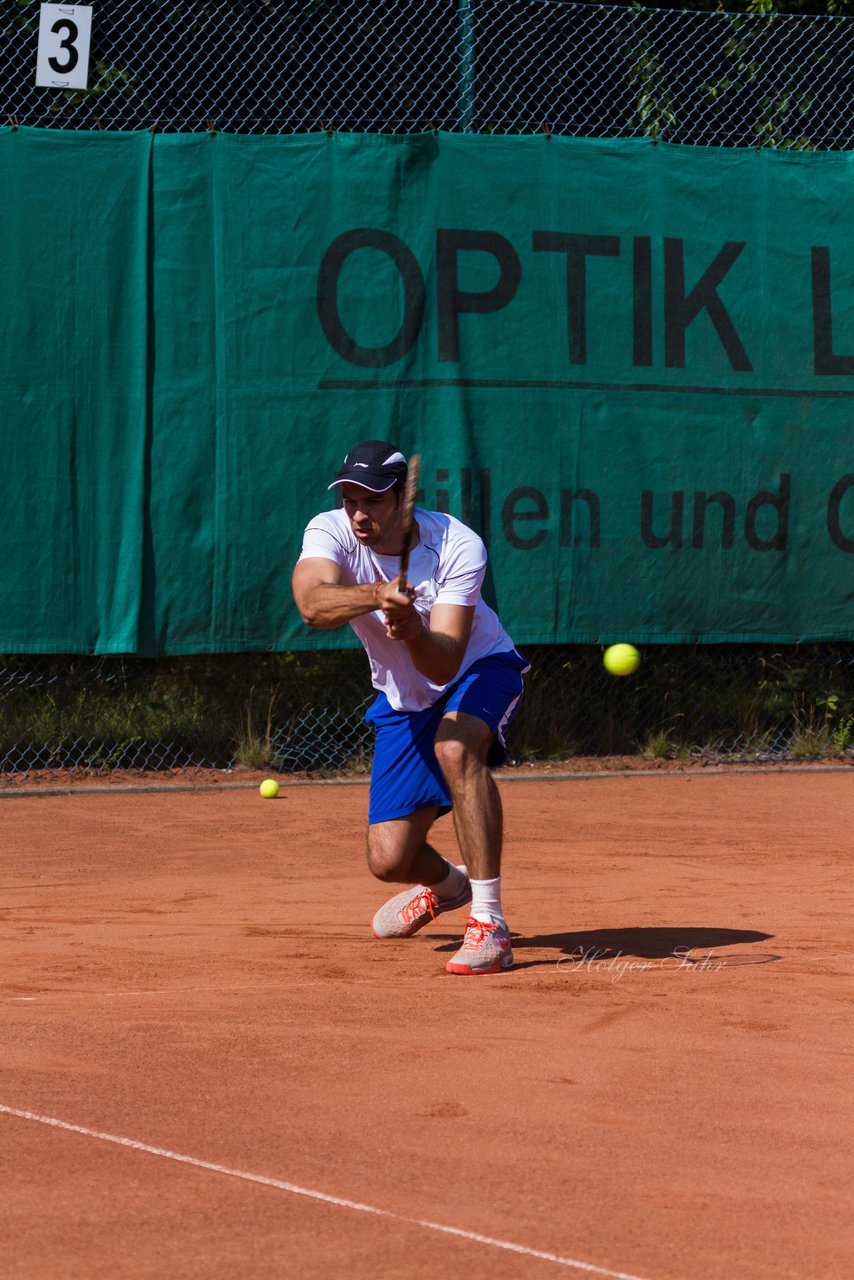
(453, 755)
(460, 755)
(390, 851)
(383, 860)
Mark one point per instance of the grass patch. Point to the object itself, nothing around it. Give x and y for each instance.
(810, 744)
(659, 745)
(254, 748)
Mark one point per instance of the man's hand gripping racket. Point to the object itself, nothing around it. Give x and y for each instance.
(407, 627)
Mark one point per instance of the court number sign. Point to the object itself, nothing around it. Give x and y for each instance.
(63, 56)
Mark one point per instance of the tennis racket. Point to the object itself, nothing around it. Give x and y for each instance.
(408, 518)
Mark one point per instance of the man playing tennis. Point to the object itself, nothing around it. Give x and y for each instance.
(448, 680)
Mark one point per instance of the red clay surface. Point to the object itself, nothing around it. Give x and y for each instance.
(195, 973)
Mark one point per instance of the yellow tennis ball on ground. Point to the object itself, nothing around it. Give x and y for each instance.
(269, 788)
(621, 659)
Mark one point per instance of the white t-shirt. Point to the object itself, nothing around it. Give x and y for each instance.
(446, 567)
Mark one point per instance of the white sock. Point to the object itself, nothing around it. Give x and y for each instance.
(486, 901)
(453, 883)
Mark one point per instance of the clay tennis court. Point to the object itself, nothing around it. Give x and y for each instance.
(211, 1069)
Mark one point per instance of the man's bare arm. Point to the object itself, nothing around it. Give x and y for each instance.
(437, 650)
(324, 601)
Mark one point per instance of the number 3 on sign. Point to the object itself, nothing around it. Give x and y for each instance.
(63, 57)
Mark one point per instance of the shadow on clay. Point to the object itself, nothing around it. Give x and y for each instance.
(689, 944)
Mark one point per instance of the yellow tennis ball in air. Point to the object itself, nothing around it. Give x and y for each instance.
(621, 659)
(269, 788)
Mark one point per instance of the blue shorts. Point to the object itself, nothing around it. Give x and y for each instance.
(406, 776)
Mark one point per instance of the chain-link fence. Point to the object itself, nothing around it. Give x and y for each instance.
(304, 713)
(486, 66)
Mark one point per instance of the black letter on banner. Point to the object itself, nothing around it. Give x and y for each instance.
(680, 309)
(780, 503)
(677, 507)
(702, 502)
(452, 300)
(576, 248)
(482, 523)
(642, 302)
(835, 501)
(327, 297)
(509, 516)
(567, 506)
(822, 318)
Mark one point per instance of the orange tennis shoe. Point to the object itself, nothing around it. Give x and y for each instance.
(486, 949)
(409, 911)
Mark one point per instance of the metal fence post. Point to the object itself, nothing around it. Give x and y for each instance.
(467, 69)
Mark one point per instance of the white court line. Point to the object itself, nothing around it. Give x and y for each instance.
(341, 1203)
(77, 993)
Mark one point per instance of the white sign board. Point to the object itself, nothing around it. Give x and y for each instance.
(63, 57)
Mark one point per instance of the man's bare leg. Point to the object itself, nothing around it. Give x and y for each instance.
(462, 745)
(398, 851)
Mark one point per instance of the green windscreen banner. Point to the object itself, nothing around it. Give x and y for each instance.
(629, 366)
